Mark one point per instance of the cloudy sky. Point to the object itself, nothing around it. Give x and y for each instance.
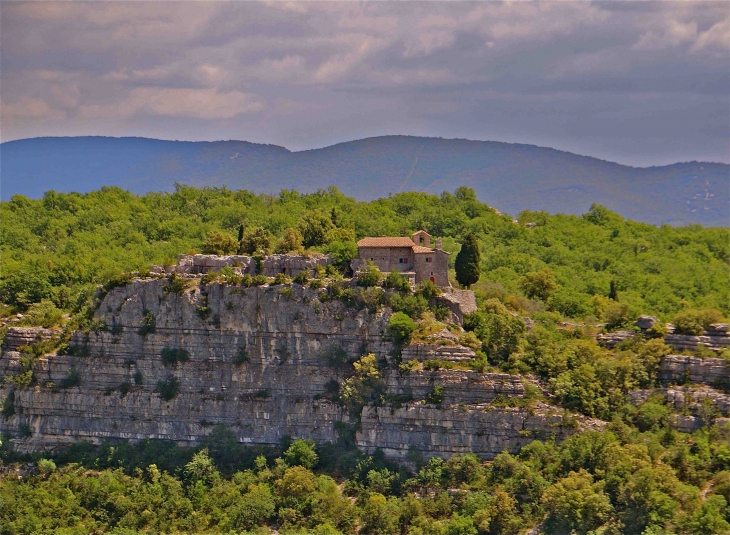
(639, 83)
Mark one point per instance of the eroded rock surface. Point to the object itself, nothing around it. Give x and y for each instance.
(260, 360)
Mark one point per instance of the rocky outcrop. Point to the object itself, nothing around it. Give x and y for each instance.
(701, 401)
(423, 352)
(270, 266)
(685, 369)
(263, 360)
(17, 337)
(469, 428)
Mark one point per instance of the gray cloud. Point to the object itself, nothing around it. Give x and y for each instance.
(641, 83)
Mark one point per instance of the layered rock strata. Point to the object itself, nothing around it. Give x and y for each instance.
(262, 360)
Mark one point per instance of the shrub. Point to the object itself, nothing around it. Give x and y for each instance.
(369, 276)
(441, 312)
(168, 389)
(400, 327)
(436, 396)
(241, 356)
(316, 284)
(695, 322)
(8, 409)
(175, 284)
(396, 281)
(124, 388)
(280, 279)
(44, 314)
(256, 241)
(147, 323)
(73, 378)
(301, 453)
(428, 290)
(291, 242)
(171, 356)
(302, 277)
(412, 305)
(259, 280)
(138, 377)
(220, 244)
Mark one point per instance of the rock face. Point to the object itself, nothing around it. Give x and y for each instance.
(272, 265)
(684, 369)
(258, 359)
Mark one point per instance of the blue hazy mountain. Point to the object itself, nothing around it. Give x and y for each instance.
(511, 177)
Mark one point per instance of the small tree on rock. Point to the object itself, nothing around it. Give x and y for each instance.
(218, 243)
(467, 262)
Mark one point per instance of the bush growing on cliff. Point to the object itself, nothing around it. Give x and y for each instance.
(147, 323)
(369, 276)
(169, 388)
(396, 281)
(400, 327)
(171, 356)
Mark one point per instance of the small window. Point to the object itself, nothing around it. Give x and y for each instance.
(428, 259)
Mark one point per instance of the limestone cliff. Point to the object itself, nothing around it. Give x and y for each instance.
(264, 360)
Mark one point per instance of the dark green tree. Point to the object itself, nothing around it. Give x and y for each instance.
(467, 261)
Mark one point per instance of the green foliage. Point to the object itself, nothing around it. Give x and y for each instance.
(468, 261)
(694, 322)
(72, 379)
(62, 254)
(369, 276)
(256, 240)
(8, 409)
(218, 243)
(138, 377)
(428, 290)
(291, 242)
(436, 396)
(342, 253)
(147, 323)
(539, 284)
(314, 227)
(172, 355)
(301, 453)
(359, 389)
(241, 356)
(175, 284)
(169, 388)
(396, 281)
(400, 327)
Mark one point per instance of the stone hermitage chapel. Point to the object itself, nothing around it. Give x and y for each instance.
(413, 257)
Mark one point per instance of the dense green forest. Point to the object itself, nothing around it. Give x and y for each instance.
(638, 476)
(60, 247)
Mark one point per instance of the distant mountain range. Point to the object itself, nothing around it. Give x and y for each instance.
(510, 177)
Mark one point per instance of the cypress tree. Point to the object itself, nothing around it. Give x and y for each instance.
(467, 262)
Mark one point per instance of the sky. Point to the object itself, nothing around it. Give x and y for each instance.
(639, 83)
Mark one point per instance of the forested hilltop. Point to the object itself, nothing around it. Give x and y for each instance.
(60, 247)
(548, 285)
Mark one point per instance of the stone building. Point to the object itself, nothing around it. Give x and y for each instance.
(413, 257)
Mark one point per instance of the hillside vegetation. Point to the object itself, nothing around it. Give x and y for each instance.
(511, 177)
(60, 247)
(637, 476)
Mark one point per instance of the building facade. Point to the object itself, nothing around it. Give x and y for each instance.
(413, 257)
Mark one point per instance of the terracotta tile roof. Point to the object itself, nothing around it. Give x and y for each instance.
(386, 242)
(418, 249)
